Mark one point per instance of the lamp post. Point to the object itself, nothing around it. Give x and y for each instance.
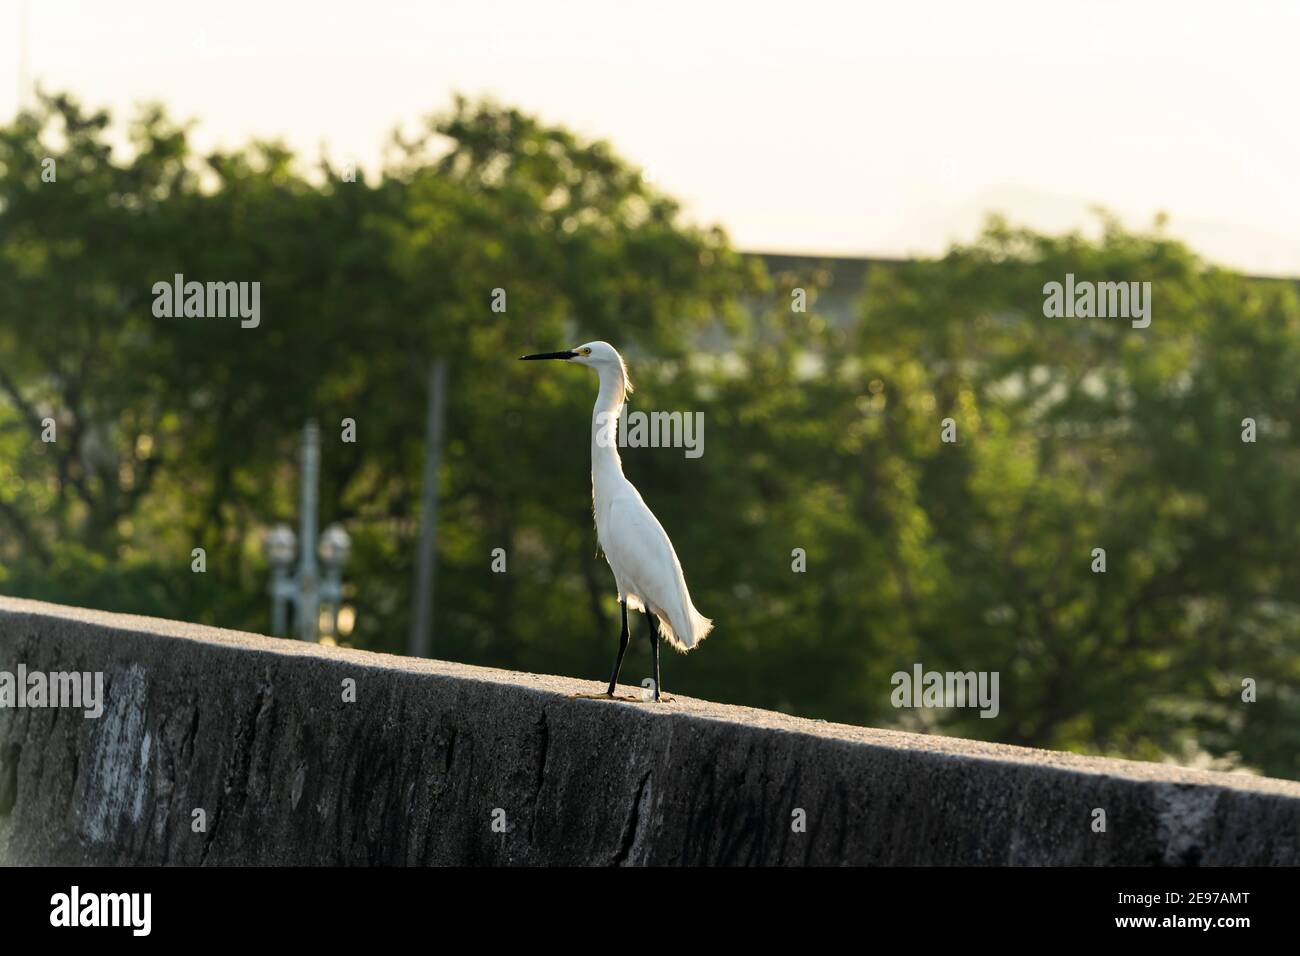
(305, 588)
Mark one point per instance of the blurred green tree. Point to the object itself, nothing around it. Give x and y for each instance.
(1077, 434)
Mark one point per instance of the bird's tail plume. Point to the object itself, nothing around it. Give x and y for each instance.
(687, 633)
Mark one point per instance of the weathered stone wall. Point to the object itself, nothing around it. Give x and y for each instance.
(255, 732)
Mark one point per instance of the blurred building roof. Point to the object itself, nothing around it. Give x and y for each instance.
(846, 277)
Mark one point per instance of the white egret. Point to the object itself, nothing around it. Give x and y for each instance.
(645, 566)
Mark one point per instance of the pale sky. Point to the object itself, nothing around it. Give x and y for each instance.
(800, 126)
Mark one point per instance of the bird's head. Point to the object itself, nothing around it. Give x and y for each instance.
(601, 356)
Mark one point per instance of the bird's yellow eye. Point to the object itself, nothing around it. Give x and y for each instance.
(585, 351)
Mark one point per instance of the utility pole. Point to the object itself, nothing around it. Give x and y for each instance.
(308, 575)
(421, 641)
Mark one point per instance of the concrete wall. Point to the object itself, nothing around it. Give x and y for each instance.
(255, 732)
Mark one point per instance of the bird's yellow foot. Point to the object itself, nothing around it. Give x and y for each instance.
(604, 695)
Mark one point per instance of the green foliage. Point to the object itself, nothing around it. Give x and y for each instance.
(1084, 433)
(1074, 434)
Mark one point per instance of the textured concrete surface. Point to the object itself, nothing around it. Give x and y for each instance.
(254, 732)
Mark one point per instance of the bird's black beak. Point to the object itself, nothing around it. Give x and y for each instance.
(548, 355)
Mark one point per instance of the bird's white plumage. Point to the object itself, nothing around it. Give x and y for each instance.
(636, 546)
(646, 567)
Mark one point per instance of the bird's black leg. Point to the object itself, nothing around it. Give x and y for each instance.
(622, 648)
(654, 650)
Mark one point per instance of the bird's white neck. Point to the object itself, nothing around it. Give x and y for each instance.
(604, 422)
